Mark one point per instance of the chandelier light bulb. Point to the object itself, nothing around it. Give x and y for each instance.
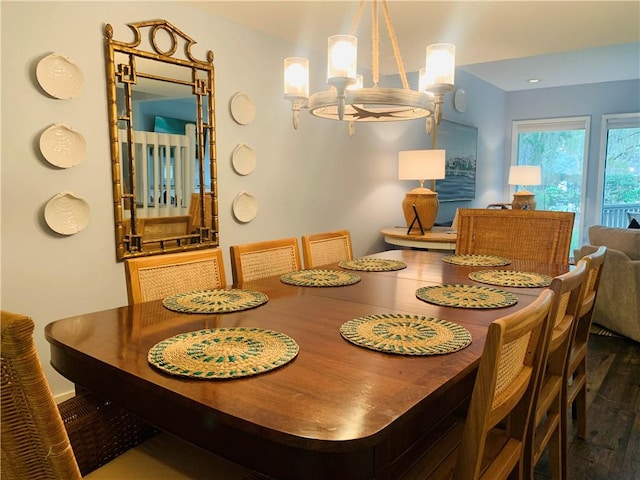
(296, 77)
(422, 80)
(440, 64)
(342, 57)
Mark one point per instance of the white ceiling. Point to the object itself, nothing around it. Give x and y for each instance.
(503, 42)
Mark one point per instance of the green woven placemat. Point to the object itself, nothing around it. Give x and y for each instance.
(466, 296)
(406, 334)
(320, 278)
(476, 260)
(372, 264)
(223, 352)
(215, 301)
(511, 278)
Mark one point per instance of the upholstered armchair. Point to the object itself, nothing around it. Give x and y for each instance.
(618, 298)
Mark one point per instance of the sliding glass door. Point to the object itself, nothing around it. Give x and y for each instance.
(619, 183)
(559, 147)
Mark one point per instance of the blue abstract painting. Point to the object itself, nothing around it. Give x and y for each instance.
(461, 144)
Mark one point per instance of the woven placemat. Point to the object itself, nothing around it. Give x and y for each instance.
(223, 352)
(476, 260)
(372, 264)
(406, 334)
(320, 278)
(511, 278)
(215, 301)
(466, 296)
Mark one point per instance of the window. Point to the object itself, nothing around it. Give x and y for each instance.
(559, 147)
(619, 184)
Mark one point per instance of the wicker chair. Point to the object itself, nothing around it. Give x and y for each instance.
(83, 435)
(504, 389)
(158, 228)
(325, 248)
(253, 261)
(546, 424)
(537, 235)
(158, 276)
(576, 391)
(195, 210)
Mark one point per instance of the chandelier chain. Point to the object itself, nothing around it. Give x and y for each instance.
(356, 18)
(375, 41)
(394, 43)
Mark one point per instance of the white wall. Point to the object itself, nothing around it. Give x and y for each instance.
(310, 180)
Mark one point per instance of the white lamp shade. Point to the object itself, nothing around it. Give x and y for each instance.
(342, 56)
(440, 65)
(421, 164)
(525, 175)
(296, 77)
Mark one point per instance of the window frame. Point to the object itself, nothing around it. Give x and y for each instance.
(614, 120)
(582, 122)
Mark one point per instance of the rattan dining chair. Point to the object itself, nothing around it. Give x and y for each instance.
(325, 248)
(546, 424)
(158, 276)
(479, 447)
(84, 435)
(195, 211)
(576, 391)
(539, 236)
(253, 261)
(159, 228)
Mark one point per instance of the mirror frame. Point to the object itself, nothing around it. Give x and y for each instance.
(129, 240)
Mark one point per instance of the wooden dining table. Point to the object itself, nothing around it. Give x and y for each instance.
(336, 411)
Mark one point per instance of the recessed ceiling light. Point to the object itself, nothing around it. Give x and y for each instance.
(533, 80)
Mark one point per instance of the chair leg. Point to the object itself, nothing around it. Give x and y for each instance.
(579, 404)
(528, 460)
(580, 410)
(516, 473)
(564, 430)
(555, 448)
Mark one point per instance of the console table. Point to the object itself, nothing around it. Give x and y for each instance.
(437, 238)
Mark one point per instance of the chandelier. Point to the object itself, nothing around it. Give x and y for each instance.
(348, 100)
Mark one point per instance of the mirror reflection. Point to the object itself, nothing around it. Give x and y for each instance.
(162, 142)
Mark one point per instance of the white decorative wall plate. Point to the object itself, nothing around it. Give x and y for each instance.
(245, 207)
(243, 159)
(67, 213)
(460, 100)
(243, 110)
(62, 146)
(59, 76)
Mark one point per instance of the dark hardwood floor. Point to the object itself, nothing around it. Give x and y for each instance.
(612, 448)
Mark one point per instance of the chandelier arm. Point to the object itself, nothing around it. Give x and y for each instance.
(375, 39)
(356, 19)
(394, 43)
(434, 146)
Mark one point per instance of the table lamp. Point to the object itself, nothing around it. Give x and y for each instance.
(524, 175)
(421, 204)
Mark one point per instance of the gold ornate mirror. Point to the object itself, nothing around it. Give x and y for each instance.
(163, 145)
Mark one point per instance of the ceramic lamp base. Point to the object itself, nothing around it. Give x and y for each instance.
(523, 201)
(426, 202)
